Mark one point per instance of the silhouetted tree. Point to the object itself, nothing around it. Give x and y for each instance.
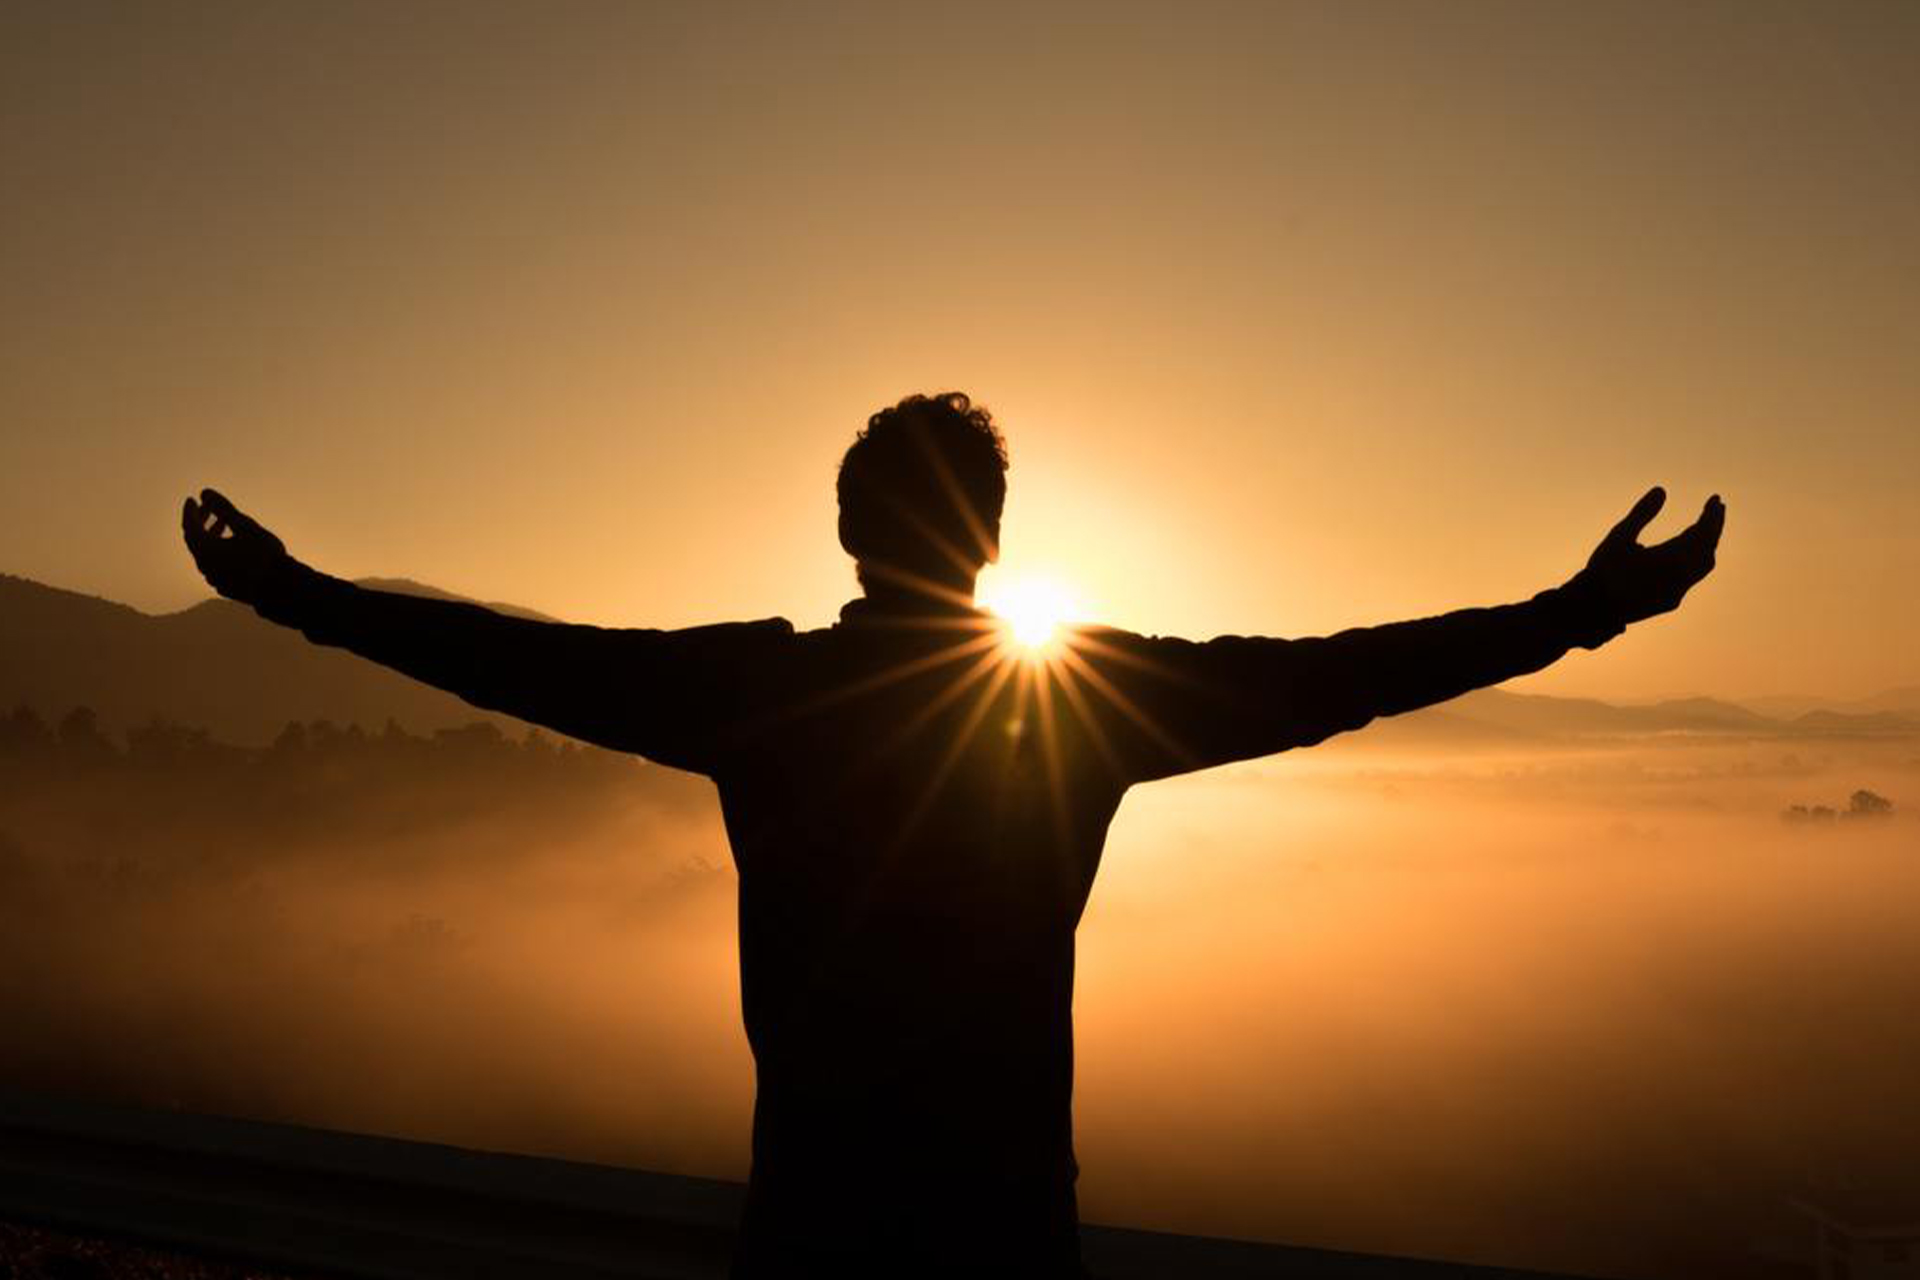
(81, 739)
(161, 744)
(1861, 804)
(291, 740)
(1867, 804)
(325, 737)
(478, 738)
(24, 733)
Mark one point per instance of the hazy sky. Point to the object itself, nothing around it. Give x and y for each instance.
(1295, 316)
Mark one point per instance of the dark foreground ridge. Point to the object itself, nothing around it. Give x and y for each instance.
(358, 1205)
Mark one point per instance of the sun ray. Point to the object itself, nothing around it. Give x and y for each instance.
(962, 738)
(946, 697)
(1127, 707)
(980, 639)
(1083, 712)
(1041, 675)
(904, 733)
(895, 575)
(1092, 643)
(957, 495)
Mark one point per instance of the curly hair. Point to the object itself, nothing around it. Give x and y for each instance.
(922, 487)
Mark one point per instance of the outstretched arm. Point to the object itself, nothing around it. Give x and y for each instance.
(650, 692)
(1196, 705)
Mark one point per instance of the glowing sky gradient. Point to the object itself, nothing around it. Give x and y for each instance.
(1295, 316)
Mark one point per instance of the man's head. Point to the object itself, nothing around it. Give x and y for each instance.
(921, 491)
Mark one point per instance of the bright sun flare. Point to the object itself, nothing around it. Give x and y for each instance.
(1034, 609)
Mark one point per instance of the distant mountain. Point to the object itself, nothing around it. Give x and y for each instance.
(1785, 706)
(1902, 701)
(1545, 716)
(216, 665)
(1905, 700)
(1489, 715)
(1875, 723)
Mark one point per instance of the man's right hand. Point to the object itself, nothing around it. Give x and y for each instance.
(237, 555)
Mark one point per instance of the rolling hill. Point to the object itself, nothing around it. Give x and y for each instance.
(215, 665)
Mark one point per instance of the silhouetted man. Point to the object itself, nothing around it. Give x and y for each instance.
(917, 808)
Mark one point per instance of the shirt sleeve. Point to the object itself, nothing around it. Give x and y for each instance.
(670, 696)
(1165, 706)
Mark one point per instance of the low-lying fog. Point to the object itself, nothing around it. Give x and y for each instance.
(1601, 1010)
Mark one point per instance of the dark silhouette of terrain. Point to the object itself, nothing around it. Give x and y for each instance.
(1904, 700)
(917, 808)
(215, 665)
(341, 1204)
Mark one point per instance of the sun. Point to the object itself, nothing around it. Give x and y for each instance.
(1033, 608)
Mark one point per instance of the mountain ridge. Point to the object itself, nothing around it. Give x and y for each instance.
(214, 665)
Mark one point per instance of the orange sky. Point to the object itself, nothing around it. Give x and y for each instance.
(1296, 316)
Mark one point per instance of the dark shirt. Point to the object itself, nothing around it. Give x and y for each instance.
(916, 810)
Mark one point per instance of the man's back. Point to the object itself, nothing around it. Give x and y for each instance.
(916, 829)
